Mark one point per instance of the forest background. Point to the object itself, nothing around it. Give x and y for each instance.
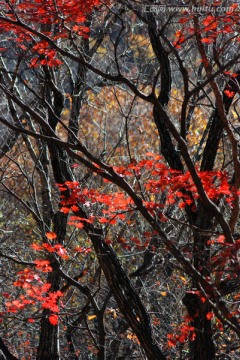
(119, 180)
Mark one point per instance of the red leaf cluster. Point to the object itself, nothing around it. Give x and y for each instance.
(45, 16)
(58, 249)
(35, 292)
(182, 333)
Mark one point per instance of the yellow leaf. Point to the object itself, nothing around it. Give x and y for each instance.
(91, 317)
(163, 293)
(184, 280)
(235, 115)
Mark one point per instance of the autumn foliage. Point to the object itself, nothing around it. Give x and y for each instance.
(120, 180)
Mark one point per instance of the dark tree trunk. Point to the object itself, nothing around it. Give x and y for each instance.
(202, 348)
(48, 348)
(125, 294)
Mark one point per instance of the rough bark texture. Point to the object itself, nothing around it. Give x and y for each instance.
(126, 296)
(203, 346)
(48, 347)
(168, 150)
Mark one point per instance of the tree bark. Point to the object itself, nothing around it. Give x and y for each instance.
(202, 348)
(48, 346)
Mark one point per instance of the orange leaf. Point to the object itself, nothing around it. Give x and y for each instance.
(171, 341)
(43, 265)
(65, 210)
(75, 208)
(51, 235)
(207, 40)
(221, 239)
(36, 247)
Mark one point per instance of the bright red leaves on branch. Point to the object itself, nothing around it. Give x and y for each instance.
(58, 249)
(182, 333)
(53, 319)
(209, 315)
(213, 23)
(43, 265)
(229, 93)
(56, 19)
(178, 187)
(64, 13)
(35, 292)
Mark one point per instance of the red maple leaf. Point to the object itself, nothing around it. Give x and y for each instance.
(229, 93)
(209, 315)
(51, 235)
(43, 265)
(53, 319)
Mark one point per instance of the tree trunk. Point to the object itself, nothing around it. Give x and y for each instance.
(125, 294)
(48, 348)
(202, 348)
